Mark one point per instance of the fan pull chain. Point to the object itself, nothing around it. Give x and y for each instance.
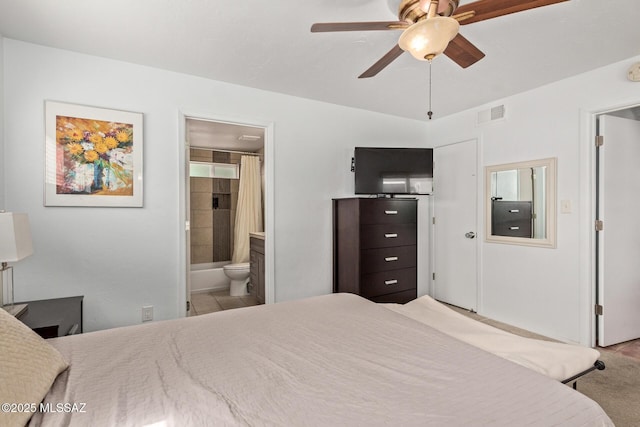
(430, 113)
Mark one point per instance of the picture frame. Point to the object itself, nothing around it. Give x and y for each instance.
(93, 156)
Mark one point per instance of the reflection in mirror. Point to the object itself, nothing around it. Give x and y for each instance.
(518, 202)
(521, 203)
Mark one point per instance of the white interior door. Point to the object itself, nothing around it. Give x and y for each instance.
(619, 241)
(455, 210)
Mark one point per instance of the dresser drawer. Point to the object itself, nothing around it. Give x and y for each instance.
(387, 235)
(386, 282)
(384, 259)
(375, 248)
(511, 218)
(376, 211)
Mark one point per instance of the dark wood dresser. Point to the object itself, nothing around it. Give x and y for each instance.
(375, 248)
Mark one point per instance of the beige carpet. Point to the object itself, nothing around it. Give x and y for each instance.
(616, 389)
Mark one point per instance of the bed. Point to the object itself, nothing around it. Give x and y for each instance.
(560, 361)
(331, 360)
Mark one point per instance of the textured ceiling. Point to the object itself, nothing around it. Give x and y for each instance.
(224, 136)
(268, 45)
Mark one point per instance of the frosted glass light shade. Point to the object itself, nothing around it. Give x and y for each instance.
(15, 237)
(429, 38)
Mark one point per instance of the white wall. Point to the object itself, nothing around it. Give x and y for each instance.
(123, 258)
(544, 290)
(2, 173)
(2, 168)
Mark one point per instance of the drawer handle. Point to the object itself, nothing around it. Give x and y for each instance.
(390, 282)
(390, 235)
(391, 212)
(514, 210)
(514, 228)
(391, 258)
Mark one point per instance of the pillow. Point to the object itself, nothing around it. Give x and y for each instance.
(28, 367)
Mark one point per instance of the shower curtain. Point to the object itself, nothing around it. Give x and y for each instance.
(249, 208)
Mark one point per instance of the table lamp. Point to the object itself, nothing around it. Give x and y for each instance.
(15, 244)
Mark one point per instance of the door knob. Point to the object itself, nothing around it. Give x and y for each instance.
(470, 235)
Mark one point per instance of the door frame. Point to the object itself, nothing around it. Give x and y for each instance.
(588, 260)
(184, 282)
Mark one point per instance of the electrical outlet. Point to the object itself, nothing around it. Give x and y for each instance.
(147, 313)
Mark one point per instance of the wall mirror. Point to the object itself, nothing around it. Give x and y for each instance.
(520, 200)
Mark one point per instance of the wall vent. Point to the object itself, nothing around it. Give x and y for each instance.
(491, 115)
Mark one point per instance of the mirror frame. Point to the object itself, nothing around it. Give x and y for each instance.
(550, 188)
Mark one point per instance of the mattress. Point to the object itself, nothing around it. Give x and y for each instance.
(327, 361)
(559, 361)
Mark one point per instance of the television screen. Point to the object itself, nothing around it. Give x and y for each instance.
(393, 170)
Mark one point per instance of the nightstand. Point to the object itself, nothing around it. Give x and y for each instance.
(52, 318)
(16, 310)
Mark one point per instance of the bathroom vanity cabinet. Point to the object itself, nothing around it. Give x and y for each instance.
(375, 248)
(256, 259)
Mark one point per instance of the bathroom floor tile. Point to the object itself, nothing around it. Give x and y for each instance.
(249, 300)
(221, 293)
(209, 302)
(228, 302)
(204, 302)
(209, 307)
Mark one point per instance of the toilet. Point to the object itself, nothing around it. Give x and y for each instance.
(239, 275)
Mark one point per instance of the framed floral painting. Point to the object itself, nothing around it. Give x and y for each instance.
(93, 156)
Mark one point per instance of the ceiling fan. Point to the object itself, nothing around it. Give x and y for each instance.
(430, 27)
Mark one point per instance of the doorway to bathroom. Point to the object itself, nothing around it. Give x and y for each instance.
(226, 195)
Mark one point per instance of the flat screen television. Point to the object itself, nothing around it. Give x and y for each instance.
(391, 171)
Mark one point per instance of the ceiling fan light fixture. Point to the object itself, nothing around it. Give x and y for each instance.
(428, 38)
(444, 7)
(424, 5)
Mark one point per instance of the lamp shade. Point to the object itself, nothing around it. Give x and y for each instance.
(15, 237)
(428, 38)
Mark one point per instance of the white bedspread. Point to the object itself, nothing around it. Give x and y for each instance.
(556, 360)
(334, 360)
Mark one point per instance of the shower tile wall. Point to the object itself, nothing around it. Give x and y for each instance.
(213, 203)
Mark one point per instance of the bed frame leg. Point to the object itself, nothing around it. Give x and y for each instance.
(599, 365)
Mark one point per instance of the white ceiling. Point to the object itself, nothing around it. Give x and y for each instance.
(224, 136)
(268, 45)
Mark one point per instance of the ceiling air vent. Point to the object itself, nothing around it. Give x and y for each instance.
(491, 115)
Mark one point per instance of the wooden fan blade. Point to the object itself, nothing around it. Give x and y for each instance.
(463, 52)
(387, 59)
(323, 27)
(487, 9)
